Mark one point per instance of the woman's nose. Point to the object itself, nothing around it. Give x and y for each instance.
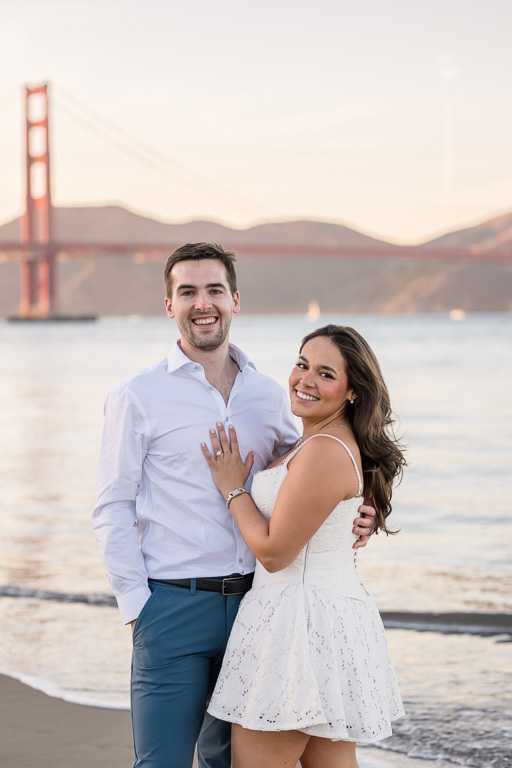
(307, 378)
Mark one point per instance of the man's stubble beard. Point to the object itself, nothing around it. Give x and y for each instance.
(206, 345)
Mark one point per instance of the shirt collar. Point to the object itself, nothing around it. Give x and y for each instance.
(177, 359)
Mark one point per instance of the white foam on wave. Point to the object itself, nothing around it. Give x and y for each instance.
(373, 756)
(365, 754)
(56, 692)
(370, 762)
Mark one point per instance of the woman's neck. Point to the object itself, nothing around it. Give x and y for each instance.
(313, 428)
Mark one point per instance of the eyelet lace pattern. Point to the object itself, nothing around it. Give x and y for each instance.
(308, 650)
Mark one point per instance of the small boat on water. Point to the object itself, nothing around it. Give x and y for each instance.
(313, 312)
(457, 314)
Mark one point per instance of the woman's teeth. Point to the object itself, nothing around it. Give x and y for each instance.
(302, 396)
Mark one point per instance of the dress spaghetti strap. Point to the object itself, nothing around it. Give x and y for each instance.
(321, 434)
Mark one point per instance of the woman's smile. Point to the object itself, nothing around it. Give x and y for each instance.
(318, 382)
(303, 396)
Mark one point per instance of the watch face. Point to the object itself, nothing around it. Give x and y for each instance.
(234, 494)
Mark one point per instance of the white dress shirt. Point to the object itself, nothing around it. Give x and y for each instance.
(158, 512)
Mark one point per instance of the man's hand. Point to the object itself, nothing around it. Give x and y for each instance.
(364, 525)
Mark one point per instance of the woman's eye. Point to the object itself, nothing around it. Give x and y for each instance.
(326, 375)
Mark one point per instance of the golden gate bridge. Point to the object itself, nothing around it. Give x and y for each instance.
(37, 248)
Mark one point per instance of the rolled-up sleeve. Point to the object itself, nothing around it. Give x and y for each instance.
(123, 450)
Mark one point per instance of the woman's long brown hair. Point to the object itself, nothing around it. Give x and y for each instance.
(370, 417)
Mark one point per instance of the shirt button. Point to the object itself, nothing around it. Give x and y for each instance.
(227, 418)
(210, 387)
(240, 560)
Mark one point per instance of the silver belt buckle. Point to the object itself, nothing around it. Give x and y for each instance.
(233, 578)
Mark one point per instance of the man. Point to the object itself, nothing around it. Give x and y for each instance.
(176, 561)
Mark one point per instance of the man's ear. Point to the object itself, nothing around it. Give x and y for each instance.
(168, 307)
(236, 303)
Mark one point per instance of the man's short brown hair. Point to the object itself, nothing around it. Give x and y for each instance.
(196, 252)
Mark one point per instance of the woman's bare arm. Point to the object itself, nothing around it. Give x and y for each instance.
(318, 478)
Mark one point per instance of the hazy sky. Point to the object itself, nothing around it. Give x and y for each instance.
(392, 116)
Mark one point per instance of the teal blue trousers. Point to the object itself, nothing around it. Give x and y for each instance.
(178, 644)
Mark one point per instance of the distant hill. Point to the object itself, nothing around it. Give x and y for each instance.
(493, 236)
(113, 224)
(124, 284)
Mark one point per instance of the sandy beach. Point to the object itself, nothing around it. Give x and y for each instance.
(41, 731)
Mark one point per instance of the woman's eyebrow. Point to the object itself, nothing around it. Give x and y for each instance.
(325, 367)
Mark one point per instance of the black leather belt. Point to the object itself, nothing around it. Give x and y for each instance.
(227, 585)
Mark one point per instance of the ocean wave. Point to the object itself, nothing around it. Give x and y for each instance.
(56, 692)
(483, 624)
(92, 598)
(474, 738)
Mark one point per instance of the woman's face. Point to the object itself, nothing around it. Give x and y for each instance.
(318, 382)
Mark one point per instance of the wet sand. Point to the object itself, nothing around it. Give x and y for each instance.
(39, 730)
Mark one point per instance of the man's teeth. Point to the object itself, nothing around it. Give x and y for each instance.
(302, 396)
(204, 321)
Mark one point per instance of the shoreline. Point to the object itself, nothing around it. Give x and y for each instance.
(39, 729)
(476, 623)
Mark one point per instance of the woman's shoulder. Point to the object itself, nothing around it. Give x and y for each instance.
(339, 436)
(329, 445)
(331, 460)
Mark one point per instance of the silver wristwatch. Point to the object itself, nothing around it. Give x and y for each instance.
(234, 494)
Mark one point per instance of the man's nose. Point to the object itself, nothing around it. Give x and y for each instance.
(203, 301)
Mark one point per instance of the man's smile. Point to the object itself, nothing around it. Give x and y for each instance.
(204, 320)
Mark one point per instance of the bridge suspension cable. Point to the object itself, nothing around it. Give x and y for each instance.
(125, 142)
(10, 99)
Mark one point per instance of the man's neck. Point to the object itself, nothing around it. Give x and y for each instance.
(214, 361)
(219, 369)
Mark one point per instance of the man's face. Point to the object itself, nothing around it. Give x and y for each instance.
(201, 303)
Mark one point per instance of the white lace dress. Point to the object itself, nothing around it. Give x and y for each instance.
(307, 650)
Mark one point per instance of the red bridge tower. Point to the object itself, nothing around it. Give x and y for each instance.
(38, 261)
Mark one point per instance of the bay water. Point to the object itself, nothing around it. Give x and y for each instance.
(443, 583)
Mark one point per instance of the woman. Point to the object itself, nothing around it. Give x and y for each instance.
(307, 672)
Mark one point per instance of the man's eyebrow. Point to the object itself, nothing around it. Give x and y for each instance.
(185, 287)
(324, 367)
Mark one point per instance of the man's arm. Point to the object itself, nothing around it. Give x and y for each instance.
(288, 433)
(123, 450)
(364, 525)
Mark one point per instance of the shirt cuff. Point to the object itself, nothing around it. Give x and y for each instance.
(131, 603)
